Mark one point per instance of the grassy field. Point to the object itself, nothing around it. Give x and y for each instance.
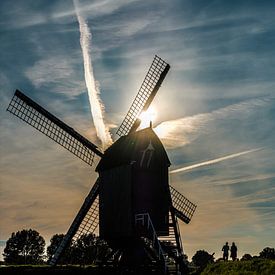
(252, 267)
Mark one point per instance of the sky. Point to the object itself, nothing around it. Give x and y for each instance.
(215, 109)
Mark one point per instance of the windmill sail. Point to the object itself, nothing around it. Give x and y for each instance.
(150, 85)
(86, 221)
(39, 118)
(182, 207)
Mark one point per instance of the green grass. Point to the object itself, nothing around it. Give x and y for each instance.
(252, 267)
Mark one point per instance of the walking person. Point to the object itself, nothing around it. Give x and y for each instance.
(225, 250)
(233, 252)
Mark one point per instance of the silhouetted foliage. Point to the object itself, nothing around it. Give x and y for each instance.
(246, 257)
(24, 247)
(202, 258)
(54, 244)
(268, 253)
(88, 249)
(254, 266)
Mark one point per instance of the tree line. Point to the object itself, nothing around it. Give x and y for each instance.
(28, 247)
(202, 258)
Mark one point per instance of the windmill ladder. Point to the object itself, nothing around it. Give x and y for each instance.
(146, 222)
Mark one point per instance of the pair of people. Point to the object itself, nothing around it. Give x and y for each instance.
(233, 251)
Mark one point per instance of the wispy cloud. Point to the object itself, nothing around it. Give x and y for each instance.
(224, 215)
(242, 179)
(213, 161)
(57, 73)
(51, 187)
(218, 213)
(94, 9)
(182, 131)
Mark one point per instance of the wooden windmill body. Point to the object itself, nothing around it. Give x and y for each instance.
(134, 183)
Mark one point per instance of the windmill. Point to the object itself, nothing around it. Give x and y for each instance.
(136, 209)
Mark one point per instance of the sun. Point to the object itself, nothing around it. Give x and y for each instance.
(147, 117)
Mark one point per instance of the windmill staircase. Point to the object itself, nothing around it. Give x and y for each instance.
(172, 240)
(172, 245)
(144, 225)
(166, 251)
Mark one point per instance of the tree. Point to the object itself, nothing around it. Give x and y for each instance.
(246, 257)
(24, 247)
(88, 249)
(202, 258)
(54, 244)
(268, 253)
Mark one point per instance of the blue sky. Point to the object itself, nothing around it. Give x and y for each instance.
(217, 100)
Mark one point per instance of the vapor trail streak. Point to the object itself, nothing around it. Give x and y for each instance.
(213, 161)
(97, 108)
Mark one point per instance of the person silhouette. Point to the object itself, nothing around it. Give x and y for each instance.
(225, 250)
(233, 251)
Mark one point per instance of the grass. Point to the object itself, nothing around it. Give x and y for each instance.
(251, 267)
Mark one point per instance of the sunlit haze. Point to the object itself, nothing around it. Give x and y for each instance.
(148, 117)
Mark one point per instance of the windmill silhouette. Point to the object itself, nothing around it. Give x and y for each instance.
(136, 209)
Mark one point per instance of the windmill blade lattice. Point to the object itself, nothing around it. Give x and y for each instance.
(86, 221)
(39, 118)
(90, 221)
(150, 85)
(183, 208)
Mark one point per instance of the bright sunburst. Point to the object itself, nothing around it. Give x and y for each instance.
(147, 117)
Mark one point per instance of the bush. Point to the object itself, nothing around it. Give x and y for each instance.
(246, 257)
(250, 267)
(202, 258)
(268, 253)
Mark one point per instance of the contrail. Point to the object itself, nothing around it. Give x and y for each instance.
(213, 161)
(97, 108)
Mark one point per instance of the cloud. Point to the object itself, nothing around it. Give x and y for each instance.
(217, 215)
(58, 73)
(57, 12)
(125, 29)
(95, 9)
(224, 213)
(235, 200)
(238, 180)
(24, 14)
(51, 188)
(180, 132)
